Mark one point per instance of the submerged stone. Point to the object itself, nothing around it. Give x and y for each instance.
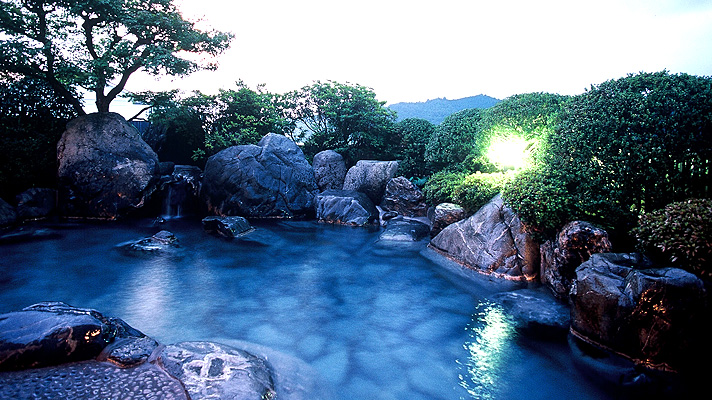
(227, 226)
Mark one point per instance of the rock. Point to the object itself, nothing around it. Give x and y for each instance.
(8, 215)
(370, 177)
(329, 170)
(271, 179)
(179, 192)
(211, 370)
(405, 198)
(105, 169)
(404, 230)
(227, 226)
(129, 352)
(572, 246)
(36, 203)
(345, 207)
(536, 313)
(163, 242)
(166, 167)
(492, 241)
(54, 333)
(445, 214)
(658, 317)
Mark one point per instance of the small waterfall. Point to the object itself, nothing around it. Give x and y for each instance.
(180, 192)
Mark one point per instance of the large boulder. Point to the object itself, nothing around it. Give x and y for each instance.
(445, 214)
(105, 169)
(270, 179)
(36, 203)
(329, 170)
(492, 241)
(403, 197)
(370, 177)
(345, 207)
(658, 317)
(229, 227)
(576, 242)
(54, 333)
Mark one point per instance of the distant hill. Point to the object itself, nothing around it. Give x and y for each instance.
(436, 110)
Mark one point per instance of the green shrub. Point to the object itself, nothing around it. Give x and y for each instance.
(471, 191)
(681, 234)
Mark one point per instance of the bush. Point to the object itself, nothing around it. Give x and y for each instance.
(681, 234)
(415, 134)
(469, 190)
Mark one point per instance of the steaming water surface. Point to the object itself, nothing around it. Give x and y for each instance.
(375, 320)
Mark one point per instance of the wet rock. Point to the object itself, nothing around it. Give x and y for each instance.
(161, 242)
(227, 226)
(370, 177)
(8, 215)
(572, 246)
(405, 230)
(345, 207)
(36, 203)
(271, 179)
(179, 191)
(54, 333)
(536, 313)
(105, 169)
(403, 197)
(492, 241)
(445, 214)
(656, 316)
(129, 352)
(211, 370)
(329, 170)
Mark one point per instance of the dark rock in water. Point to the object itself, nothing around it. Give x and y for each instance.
(129, 352)
(405, 198)
(271, 179)
(388, 215)
(8, 215)
(36, 203)
(573, 245)
(370, 177)
(405, 230)
(329, 170)
(536, 312)
(227, 226)
(54, 333)
(105, 169)
(445, 214)
(492, 241)
(219, 371)
(345, 207)
(655, 316)
(161, 242)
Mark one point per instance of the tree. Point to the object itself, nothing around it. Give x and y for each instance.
(415, 133)
(345, 118)
(453, 139)
(97, 45)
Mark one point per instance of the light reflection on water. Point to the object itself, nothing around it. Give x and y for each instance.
(488, 344)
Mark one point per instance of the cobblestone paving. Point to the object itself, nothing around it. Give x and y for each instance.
(91, 380)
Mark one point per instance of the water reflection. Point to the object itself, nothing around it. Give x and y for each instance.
(488, 347)
(150, 292)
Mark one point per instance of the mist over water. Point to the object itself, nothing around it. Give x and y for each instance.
(369, 319)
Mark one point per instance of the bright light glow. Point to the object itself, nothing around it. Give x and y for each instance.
(510, 152)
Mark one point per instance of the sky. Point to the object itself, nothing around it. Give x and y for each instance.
(412, 50)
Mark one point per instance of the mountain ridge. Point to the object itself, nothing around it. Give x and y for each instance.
(436, 110)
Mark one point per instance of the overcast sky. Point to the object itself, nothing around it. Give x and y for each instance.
(411, 50)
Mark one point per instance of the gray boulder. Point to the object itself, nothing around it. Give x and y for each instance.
(575, 244)
(345, 207)
(402, 229)
(445, 214)
(36, 203)
(370, 177)
(492, 241)
(229, 227)
(8, 215)
(329, 170)
(655, 316)
(105, 169)
(536, 313)
(271, 179)
(403, 197)
(55, 333)
(211, 370)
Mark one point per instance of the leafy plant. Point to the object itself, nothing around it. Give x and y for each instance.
(680, 233)
(469, 190)
(415, 134)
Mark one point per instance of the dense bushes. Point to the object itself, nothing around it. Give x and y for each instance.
(679, 234)
(470, 190)
(414, 134)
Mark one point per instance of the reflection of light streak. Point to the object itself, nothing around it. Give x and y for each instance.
(489, 336)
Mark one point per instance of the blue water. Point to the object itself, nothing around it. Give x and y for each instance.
(374, 320)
